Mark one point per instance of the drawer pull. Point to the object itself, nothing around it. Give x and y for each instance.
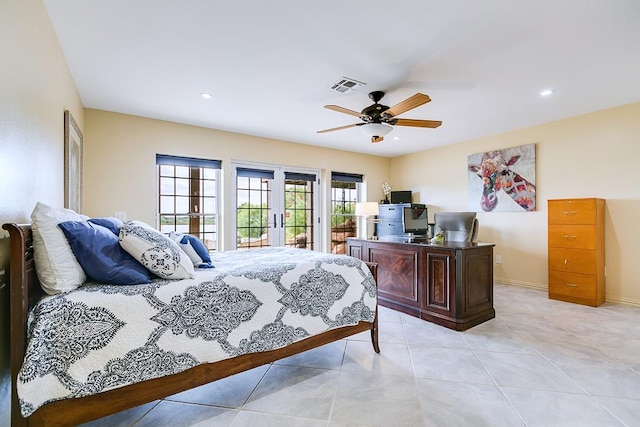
(570, 237)
(573, 285)
(565, 262)
(570, 213)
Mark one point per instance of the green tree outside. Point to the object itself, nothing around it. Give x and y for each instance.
(251, 220)
(296, 208)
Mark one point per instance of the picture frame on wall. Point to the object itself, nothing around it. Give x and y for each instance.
(503, 180)
(72, 163)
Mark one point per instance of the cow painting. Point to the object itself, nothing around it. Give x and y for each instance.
(496, 172)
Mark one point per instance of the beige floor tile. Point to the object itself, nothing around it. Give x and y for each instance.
(295, 391)
(450, 404)
(551, 409)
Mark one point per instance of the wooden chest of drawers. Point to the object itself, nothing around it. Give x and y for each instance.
(576, 251)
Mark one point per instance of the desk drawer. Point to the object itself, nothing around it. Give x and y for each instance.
(573, 211)
(389, 228)
(573, 285)
(572, 236)
(390, 212)
(572, 260)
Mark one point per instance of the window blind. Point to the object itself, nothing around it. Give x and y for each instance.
(164, 159)
(346, 177)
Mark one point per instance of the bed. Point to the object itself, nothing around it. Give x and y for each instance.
(241, 354)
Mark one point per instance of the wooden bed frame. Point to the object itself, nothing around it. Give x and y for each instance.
(25, 291)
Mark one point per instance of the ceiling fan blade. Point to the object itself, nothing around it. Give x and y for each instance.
(412, 102)
(418, 123)
(343, 110)
(377, 138)
(339, 128)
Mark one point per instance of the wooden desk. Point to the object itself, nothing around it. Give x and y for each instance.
(450, 284)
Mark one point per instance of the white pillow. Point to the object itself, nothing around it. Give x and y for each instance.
(140, 223)
(58, 269)
(161, 255)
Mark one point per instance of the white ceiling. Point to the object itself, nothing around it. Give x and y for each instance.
(269, 64)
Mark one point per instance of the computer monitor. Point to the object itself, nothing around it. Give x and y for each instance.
(401, 197)
(415, 220)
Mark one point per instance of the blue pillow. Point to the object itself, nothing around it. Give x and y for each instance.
(110, 222)
(100, 255)
(194, 248)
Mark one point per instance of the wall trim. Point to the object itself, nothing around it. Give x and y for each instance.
(543, 287)
(520, 283)
(623, 300)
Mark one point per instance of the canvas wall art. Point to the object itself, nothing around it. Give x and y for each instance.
(72, 163)
(503, 180)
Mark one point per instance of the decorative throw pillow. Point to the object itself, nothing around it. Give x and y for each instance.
(110, 222)
(139, 223)
(161, 255)
(98, 251)
(58, 269)
(194, 248)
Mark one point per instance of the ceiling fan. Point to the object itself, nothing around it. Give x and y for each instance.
(378, 120)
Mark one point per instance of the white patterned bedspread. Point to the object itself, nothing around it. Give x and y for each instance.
(101, 337)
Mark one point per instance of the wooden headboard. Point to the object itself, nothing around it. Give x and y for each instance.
(24, 293)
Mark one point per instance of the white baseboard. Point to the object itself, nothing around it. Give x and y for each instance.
(622, 300)
(543, 287)
(530, 285)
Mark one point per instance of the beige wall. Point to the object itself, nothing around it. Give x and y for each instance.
(35, 89)
(594, 155)
(120, 171)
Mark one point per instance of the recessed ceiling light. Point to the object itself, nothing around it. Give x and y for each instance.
(396, 138)
(547, 92)
(206, 95)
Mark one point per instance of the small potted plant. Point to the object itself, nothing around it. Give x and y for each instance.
(438, 238)
(386, 190)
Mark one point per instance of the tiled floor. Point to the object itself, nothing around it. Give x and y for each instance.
(538, 363)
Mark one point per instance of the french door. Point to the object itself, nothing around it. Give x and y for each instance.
(276, 206)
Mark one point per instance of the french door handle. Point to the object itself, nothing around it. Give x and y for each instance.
(275, 224)
(281, 220)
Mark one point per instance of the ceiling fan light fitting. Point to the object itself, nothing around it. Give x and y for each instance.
(376, 129)
(378, 120)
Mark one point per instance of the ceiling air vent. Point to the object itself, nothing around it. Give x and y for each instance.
(347, 85)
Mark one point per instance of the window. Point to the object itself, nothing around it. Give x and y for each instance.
(298, 223)
(275, 207)
(345, 192)
(188, 192)
(254, 188)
